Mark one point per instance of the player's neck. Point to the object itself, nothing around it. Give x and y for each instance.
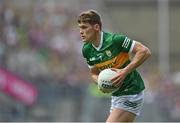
(97, 39)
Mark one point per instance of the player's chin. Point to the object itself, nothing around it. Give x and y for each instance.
(84, 40)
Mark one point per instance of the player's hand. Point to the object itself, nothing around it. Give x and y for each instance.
(117, 81)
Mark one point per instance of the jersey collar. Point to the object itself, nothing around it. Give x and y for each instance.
(101, 42)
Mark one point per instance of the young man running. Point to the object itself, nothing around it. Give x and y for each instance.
(106, 50)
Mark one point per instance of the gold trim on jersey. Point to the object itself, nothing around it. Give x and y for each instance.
(115, 62)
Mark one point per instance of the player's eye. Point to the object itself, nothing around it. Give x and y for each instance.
(83, 27)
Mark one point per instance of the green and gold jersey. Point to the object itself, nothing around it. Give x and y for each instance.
(113, 53)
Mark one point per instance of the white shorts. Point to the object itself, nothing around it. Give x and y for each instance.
(131, 103)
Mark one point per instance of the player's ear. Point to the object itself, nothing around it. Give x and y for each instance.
(96, 27)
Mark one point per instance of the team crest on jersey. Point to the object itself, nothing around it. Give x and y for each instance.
(108, 53)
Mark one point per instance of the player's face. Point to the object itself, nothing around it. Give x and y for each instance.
(87, 32)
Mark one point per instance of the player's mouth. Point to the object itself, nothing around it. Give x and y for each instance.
(83, 37)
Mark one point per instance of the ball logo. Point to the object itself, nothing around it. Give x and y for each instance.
(104, 80)
(107, 86)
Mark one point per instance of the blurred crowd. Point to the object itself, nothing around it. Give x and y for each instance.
(41, 44)
(162, 95)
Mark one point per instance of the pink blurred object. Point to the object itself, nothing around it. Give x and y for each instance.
(18, 88)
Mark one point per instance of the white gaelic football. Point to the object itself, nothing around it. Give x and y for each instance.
(104, 80)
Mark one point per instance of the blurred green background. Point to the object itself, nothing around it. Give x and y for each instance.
(40, 42)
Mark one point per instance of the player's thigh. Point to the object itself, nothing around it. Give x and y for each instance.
(120, 115)
(125, 108)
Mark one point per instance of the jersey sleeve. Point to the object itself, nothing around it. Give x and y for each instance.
(85, 55)
(126, 44)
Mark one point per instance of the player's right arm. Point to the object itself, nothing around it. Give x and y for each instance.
(93, 70)
(94, 74)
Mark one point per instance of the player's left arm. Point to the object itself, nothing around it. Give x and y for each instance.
(141, 53)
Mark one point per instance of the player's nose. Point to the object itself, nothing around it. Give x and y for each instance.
(81, 32)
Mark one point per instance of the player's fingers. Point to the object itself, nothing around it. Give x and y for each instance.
(114, 78)
(116, 81)
(119, 84)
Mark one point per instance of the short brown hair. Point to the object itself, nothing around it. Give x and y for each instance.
(91, 17)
